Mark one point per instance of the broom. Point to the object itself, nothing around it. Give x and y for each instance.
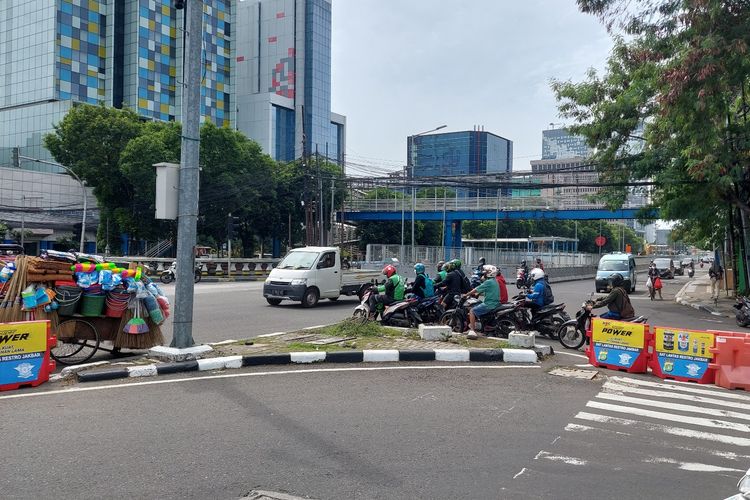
(10, 307)
(151, 338)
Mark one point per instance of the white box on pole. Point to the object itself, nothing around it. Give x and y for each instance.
(167, 190)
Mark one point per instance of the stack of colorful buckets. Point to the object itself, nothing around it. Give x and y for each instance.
(92, 301)
(116, 302)
(68, 295)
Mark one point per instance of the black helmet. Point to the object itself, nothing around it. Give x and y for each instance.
(523, 263)
(440, 265)
(482, 261)
(616, 280)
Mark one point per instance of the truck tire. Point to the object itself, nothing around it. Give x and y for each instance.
(273, 302)
(310, 298)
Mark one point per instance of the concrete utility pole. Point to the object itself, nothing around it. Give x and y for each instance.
(187, 211)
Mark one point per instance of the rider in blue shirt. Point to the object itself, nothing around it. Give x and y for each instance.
(535, 299)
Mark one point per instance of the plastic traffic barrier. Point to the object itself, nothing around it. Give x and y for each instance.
(732, 362)
(619, 345)
(682, 354)
(25, 354)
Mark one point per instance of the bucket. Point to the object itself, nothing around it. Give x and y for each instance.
(116, 302)
(92, 305)
(68, 297)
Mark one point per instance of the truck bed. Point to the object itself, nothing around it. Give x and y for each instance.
(357, 277)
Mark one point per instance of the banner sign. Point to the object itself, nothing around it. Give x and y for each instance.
(683, 353)
(617, 343)
(22, 350)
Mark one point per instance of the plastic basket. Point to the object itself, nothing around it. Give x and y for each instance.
(68, 298)
(116, 303)
(92, 305)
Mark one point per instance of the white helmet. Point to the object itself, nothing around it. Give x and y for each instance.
(537, 274)
(489, 270)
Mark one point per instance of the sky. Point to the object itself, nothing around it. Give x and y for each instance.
(401, 67)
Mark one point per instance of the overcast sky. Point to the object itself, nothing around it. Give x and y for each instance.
(401, 67)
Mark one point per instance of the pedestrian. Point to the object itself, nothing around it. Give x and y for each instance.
(716, 273)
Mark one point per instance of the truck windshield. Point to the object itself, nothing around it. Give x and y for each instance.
(613, 265)
(298, 260)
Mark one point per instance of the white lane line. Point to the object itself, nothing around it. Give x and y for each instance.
(559, 458)
(262, 374)
(672, 417)
(674, 406)
(620, 388)
(520, 472)
(571, 354)
(586, 428)
(692, 389)
(675, 431)
(691, 466)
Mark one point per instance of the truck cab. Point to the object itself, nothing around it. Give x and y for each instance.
(309, 274)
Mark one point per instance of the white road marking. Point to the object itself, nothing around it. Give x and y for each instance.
(672, 417)
(674, 406)
(520, 472)
(691, 466)
(692, 389)
(675, 431)
(586, 428)
(262, 374)
(275, 334)
(571, 354)
(612, 386)
(559, 458)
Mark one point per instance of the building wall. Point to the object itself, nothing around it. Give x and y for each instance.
(560, 144)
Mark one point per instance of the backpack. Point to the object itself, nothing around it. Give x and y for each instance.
(465, 283)
(548, 297)
(429, 286)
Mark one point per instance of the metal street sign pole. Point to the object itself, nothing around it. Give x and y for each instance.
(187, 211)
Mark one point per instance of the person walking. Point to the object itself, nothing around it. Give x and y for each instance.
(716, 273)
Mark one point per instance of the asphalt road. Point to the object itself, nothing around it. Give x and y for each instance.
(426, 431)
(238, 310)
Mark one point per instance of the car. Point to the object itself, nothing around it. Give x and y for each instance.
(666, 267)
(611, 263)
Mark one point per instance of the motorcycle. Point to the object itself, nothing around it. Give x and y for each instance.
(430, 309)
(572, 333)
(497, 323)
(402, 313)
(170, 274)
(523, 279)
(545, 320)
(743, 311)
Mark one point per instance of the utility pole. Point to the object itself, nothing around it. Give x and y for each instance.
(320, 205)
(187, 211)
(333, 215)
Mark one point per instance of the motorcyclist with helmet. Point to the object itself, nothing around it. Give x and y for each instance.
(422, 286)
(490, 289)
(393, 290)
(441, 272)
(617, 301)
(535, 299)
(452, 285)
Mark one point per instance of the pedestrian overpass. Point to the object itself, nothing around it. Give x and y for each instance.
(452, 211)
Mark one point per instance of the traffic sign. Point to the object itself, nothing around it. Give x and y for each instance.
(600, 241)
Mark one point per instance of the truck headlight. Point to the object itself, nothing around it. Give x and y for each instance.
(268, 281)
(298, 282)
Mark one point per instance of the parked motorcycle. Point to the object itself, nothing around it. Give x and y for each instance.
(170, 274)
(743, 311)
(497, 323)
(402, 313)
(572, 333)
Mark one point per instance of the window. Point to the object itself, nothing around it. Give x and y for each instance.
(327, 260)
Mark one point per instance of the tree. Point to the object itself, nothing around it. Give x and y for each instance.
(681, 67)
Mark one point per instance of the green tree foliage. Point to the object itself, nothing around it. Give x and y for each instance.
(681, 67)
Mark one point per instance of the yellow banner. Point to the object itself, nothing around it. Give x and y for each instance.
(686, 342)
(618, 333)
(23, 337)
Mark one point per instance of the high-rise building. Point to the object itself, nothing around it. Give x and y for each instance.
(559, 144)
(454, 154)
(283, 78)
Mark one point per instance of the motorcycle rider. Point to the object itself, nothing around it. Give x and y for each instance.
(491, 300)
(451, 285)
(535, 299)
(539, 263)
(393, 290)
(441, 272)
(422, 286)
(617, 301)
(503, 286)
(653, 273)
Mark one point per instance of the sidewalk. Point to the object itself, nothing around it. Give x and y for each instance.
(697, 294)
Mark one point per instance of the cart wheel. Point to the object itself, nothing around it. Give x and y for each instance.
(77, 349)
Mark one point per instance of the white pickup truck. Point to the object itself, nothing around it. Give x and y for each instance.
(309, 274)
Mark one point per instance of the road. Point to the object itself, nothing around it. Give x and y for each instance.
(238, 310)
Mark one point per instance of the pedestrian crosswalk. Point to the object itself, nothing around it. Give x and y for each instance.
(694, 434)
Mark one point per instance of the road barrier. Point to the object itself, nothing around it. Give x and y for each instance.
(683, 355)
(25, 354)
(731, 360)
(619, 345)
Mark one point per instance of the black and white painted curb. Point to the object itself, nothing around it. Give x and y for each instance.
(365, 356)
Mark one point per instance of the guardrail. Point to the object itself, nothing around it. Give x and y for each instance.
(219, 268)
(503, 203)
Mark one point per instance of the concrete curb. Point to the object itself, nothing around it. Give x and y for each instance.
(366, 356)
(697, 305)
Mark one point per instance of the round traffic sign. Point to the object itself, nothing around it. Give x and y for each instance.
(600, 241)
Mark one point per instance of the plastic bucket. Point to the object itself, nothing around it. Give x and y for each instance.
(92, 305)
(116, 303)
(68, 297)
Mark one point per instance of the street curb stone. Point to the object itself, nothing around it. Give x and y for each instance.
(382, 356)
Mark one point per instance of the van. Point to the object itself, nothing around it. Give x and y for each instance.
(616, 262)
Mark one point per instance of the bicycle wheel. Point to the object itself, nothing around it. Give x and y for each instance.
(78, 348)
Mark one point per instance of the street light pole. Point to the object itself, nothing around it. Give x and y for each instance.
(83, 192)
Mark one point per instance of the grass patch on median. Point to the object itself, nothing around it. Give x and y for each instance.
(349, 328)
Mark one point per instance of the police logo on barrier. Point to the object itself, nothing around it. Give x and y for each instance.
(22, 349)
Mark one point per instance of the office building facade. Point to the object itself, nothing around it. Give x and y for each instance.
(459, 154)
(283, 78)
(559, 144)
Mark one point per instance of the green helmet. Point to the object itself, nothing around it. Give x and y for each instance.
(456, 263)
(448, 266)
